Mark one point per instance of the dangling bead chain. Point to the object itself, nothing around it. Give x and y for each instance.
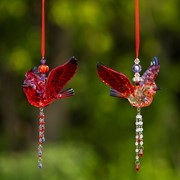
(139, 139)
(136, 69)
(41, 136)
(139, 123)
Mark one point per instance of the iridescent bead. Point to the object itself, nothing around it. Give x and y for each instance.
(136, 68)
(39, 165)
(43, 61)
(43, 139)
(40, 153)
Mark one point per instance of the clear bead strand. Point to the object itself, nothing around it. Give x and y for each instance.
(139, 139)
(41, 136)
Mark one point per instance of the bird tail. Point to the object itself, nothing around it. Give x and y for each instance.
(115, 93)
(67, 93)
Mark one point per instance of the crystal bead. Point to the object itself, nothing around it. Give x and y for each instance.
(141, 136)
(39, 165)
(141, 143)
(136, 68)
(43, 139)
(138, 116)
(136, 143)
(141, 153)
(136, 150)
(136, 61)
(137, 157)
(43, 61)
(40, 153)
(39, 149)
(41, 122)
(137, 167)
(41, 116)
(43, 68)
(136, 136)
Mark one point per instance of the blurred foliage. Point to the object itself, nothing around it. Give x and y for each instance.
(89, 136)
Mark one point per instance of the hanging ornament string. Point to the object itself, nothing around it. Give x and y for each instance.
(43, 32)
(137, 27)
(136, 69)
(42, 69)
(41, 90)
(139, 95)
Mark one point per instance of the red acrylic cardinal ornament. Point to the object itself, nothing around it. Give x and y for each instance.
(139, 95)
(41, 91)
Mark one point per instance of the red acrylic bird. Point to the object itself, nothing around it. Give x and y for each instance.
(139, 95)
(41, 91)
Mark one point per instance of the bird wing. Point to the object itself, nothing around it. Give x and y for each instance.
(59, 76)
(115, 80)
(151, 73)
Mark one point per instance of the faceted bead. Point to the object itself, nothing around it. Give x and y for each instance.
(40, 154)
(141, 143)
(40, 136)
(39, 165)
(137, 150)
(41, 130)
(141, 153)
(39, 149)
(136, 143)
(42, 123)
(43, 61)
(137, 167)
(41, 116)
(43, 139)
(137, 157)
(139, 116)
(136, 61)
(136, 68)
(43, 68)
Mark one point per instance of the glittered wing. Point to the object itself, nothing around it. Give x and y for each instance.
(58, 77)
(151, 73)
(116, 80)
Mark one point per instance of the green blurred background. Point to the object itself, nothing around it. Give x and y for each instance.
(91, 135)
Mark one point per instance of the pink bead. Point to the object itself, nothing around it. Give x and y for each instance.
(137, 167)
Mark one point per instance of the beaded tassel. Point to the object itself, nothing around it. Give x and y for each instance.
(41, 136)
(139, 123)
(139, 139)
